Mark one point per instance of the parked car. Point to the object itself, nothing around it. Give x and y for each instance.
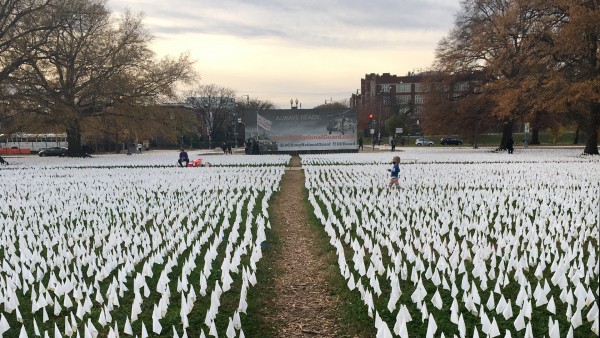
(423, 142)
(451, 140)
(54, 151)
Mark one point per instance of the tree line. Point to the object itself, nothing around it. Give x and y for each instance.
(532, 61)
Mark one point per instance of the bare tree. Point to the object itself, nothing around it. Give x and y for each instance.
(24, 26)
(254, 104)
(215, 106)
(337, 104)
(93, 64)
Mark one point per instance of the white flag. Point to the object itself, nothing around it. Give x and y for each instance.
(263, 122)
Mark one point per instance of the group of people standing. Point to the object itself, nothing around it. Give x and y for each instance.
(251, 147)
(393, 143)
(226, 146)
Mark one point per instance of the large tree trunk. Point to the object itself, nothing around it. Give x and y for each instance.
(535, 127)
(507, 130)
(118, 145)
(476, 135)
(535, 135)
(591, 144)
(576, 139)
(74, 138)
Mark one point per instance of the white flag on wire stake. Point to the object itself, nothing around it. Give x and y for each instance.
(263, 122)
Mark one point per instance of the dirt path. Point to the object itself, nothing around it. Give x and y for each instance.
(303, 305)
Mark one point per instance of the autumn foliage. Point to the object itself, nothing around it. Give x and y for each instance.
(531, 61)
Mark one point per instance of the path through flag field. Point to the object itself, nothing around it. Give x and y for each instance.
(474, 244)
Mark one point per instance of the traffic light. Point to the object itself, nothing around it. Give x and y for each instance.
(370, 116)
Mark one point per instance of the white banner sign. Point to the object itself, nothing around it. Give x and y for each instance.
(280, 130)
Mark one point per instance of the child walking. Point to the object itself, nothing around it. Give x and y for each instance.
(395, 170)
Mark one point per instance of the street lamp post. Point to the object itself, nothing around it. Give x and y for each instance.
(297, 104)
(379, 124)
(422, 134)
(381, 101)
(208, 125)
(126, 132)
(475, 145)
(380, 109)
(237, 120)
(526, 141)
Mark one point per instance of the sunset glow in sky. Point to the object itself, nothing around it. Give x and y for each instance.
(281, 49)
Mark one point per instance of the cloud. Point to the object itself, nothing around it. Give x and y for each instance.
(343, 24)
(312, 50)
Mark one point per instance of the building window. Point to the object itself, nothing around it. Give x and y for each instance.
(441, 87)
(404, 88)
(403, 99)
(461, 86)
(418, 99)
(385, 88)
(421, 87)
(418, 109)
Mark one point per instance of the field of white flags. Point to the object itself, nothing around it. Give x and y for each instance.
(150, 159)
(475, 244)
(131, 245)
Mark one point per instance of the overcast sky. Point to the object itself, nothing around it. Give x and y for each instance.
(313, 50)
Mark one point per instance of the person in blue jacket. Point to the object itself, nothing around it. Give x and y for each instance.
(394, 171)
(183, 157)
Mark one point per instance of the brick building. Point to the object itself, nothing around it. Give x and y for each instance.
(386, 95)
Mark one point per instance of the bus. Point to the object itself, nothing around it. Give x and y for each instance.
(33, 142)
